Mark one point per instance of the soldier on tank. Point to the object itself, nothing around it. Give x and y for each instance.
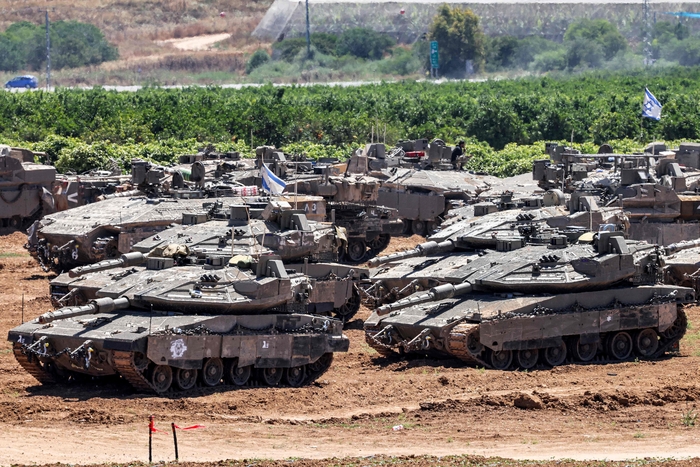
(458, 157)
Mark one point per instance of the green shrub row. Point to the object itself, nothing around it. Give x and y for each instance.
(596, 107)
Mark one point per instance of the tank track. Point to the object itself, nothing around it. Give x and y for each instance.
(125, 366)
(457, 344)
(457, 340)
(382, 349)
(32, 366)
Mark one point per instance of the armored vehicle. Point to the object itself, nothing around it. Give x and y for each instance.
(104, 230)
(351, 203)
(194, 324)
(495, 308)
(25, 188)
(278, 229)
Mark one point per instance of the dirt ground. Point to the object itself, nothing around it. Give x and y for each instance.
(618, 411)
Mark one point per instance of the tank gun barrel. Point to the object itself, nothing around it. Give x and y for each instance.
(680, 246)
(134, 258)
(440, 292)
(424, 249)
(100, 305)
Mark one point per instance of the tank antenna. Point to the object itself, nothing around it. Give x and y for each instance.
(22, 309)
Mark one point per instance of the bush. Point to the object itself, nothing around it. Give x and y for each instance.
(552, 60)
(289, 49)
(403, 62)
(596, 31)
(363, 43)
(258, 58)
(73, 44)
(584, 53)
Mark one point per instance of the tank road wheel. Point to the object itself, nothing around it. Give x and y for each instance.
(161, 378)
(584, 352)
(501, 360)
(321, 365)
(555, 356)
(185, 378)
(620, 346)
(379, 243)
(15, 222)
(646, 343)
(678, 328)
(272, 376)
(418, 227)
(347, 310)
(237, 375)
(432, 227)
(357, 249)
(140, 361)
(527, 358)
(212, 371)
(295, 376)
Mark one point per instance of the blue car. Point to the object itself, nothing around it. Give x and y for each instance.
(26, 81)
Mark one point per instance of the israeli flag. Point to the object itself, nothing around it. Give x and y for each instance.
(270, 182)
(651, 107)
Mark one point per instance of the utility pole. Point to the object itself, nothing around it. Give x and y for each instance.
(48, 53)
(646, 35)
(308, 34)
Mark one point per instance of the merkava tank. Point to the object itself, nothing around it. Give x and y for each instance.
(518, 305)
(236, 239)
(25, 188)
(351, 202)
(251, 230)
(423, 198)
(194, 324)
(104, 230)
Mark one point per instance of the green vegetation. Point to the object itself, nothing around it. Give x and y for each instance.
(73, 44)
(460, 38)
(260, 57)
(503, 122)
(689, 418)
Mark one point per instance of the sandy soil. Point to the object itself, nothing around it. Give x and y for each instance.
(196, 43)
(619, 411)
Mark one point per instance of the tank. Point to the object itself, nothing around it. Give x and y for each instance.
(352, 203)
(25, 188)
(277, 229)
(419, 181)
(208, 325)
(529, 305)
(104, 230)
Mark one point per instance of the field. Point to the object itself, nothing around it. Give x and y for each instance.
(83, 129)
(618, 411)
(138, 28)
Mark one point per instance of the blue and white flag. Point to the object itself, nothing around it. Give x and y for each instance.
(651, 107)
(271, 182)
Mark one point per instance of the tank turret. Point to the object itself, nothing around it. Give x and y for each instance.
(165, 327)
(540, 304)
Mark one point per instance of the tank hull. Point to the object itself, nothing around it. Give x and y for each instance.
(153, 352)
(495, 332)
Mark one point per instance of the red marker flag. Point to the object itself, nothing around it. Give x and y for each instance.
(193, 427)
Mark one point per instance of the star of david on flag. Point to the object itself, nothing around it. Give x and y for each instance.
(651, 107)
(270, 182)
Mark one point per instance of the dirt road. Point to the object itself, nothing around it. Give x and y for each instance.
(620, 411)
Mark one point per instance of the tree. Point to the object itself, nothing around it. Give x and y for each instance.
(597, 31)
(258, 58)
(501, 52)
(459, 37)
(363, 43)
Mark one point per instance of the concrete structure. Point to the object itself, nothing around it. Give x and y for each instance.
(549, 18)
